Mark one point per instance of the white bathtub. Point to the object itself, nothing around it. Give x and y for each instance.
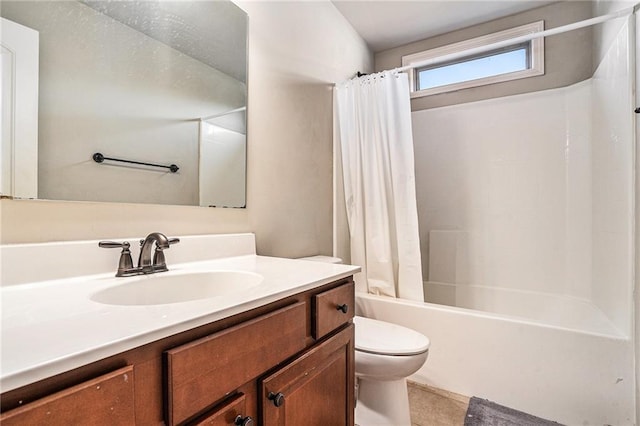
(554, 371)
(555, 310)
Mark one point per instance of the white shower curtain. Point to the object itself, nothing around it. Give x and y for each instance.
(373, 118)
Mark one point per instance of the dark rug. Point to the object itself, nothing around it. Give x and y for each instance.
(482, 412)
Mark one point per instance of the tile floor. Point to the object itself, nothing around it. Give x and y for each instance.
(436, 407)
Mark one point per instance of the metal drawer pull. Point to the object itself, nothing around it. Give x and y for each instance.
(344, 308)
(276, 398)
(243, 421)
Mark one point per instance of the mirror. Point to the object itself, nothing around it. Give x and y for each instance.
(153, 83)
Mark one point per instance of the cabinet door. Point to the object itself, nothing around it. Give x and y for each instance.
(230, 413)
(316, 389)
(106, 400)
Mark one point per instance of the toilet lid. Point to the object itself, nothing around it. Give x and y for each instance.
(385, 338)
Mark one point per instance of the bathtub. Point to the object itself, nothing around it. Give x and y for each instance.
(556, 310)
(552, 369)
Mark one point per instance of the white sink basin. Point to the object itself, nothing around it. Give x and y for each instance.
(159, 289)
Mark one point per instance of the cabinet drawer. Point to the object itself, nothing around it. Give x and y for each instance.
(225, 414)
(329, 307)
(107, 399)
(202, 372)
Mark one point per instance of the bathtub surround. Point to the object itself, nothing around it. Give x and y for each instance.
(532, 193)
(373, 117)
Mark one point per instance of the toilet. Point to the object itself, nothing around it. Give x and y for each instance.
(385, 355)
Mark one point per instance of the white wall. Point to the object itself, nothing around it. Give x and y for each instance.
(297, 50)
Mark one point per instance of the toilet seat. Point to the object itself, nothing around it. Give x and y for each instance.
(383, 338)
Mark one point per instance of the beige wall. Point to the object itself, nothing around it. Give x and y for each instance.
(567, 56)
(297, 51)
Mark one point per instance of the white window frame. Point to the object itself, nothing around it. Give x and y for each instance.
(536, 52)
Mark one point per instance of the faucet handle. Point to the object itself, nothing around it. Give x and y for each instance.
(159, 262)
(125, 264)
(113, 244)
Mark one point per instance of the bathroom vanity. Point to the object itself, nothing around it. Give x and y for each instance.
(279, 353)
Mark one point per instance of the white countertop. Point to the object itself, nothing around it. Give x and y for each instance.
(50, 327)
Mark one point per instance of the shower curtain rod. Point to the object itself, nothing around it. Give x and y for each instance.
(527, 37)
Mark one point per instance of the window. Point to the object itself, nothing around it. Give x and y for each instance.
(520, 60)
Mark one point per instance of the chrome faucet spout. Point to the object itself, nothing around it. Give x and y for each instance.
(145, 258)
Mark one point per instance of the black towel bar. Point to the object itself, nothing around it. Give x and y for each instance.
(99, 158)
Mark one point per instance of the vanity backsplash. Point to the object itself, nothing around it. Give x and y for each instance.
(28, 263)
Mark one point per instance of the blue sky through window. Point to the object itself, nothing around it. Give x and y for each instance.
(499, 63)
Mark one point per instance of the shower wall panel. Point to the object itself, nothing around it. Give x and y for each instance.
(613, 149)
(498, 187)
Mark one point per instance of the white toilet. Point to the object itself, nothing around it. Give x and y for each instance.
(386, 354)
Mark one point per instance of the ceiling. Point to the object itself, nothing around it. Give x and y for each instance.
(384, 24)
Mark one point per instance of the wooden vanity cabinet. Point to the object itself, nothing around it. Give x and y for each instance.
(300, 380)
(290, 362)
(317, 388)
(107, 399)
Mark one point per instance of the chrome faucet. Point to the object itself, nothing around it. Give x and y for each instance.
(146, 265)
